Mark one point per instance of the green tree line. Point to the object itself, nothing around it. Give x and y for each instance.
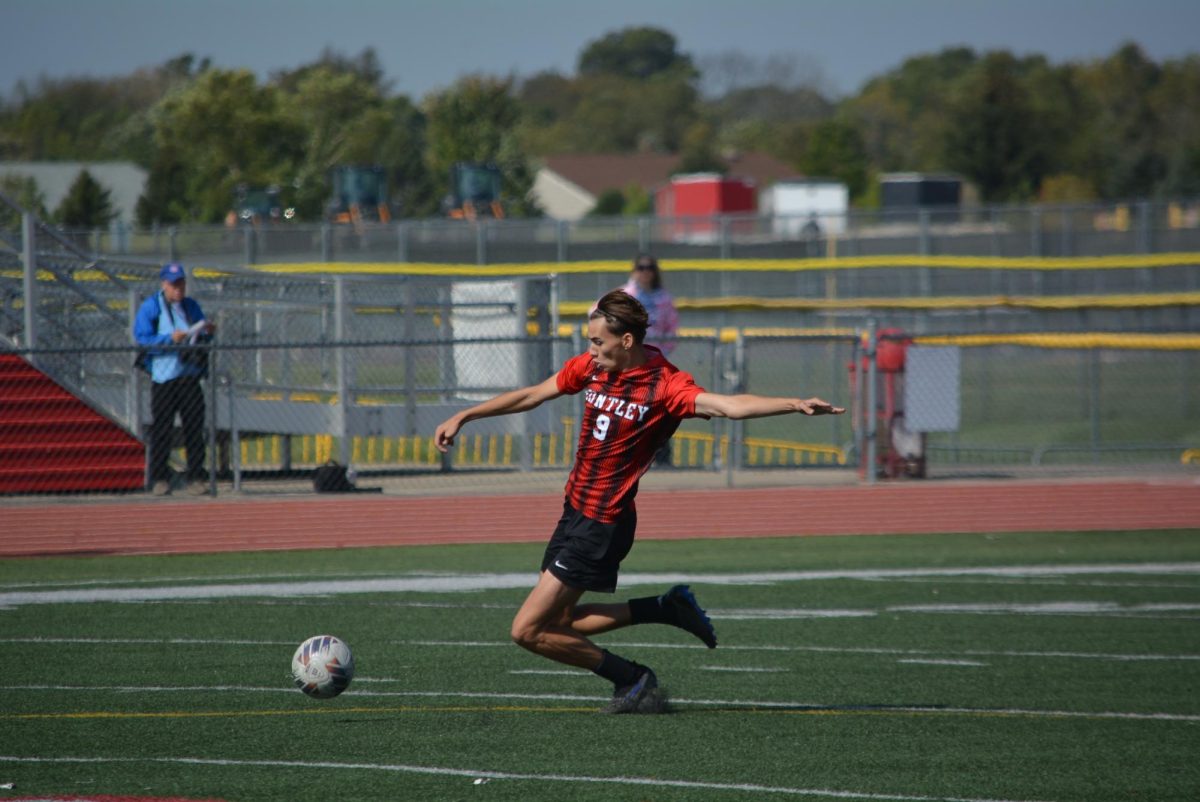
(1019, 128)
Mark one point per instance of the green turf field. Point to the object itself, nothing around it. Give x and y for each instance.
(1050, 667)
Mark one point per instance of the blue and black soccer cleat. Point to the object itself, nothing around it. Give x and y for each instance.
(643, 696)
(681, 606)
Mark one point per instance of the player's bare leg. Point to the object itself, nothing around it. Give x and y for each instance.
(595, 619)
(543, 625)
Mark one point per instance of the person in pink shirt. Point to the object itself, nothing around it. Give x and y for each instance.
(645, 283)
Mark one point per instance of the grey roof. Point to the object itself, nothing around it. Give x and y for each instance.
(125, 180)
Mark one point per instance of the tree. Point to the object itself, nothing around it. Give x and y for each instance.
(396, 139)
(621, 115)
(364, 68)
(86, 204)
(835, 150)
(1066, 188)
(165, 198)
(227, 130)
(991, 134)
(1123, 156)
(89, 119)
(1177, 105)
(610, 203)
(901, 114)
(475, 121)
(333, 109)
(637, 201)
(23, 191)
(699, 151)
(636, 53)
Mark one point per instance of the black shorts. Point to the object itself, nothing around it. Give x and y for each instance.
(585, 553)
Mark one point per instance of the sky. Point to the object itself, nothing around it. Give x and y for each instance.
(425, 45)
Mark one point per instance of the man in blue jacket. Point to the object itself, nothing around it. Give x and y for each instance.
(169, 317)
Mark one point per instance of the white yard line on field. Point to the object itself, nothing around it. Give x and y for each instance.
(459, 583)
(151, 580)
(1071, 608)
(745, 669)
(486, 774)
(725, 647)
(740, 704)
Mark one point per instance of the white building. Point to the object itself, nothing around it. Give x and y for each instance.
(124, 180)
(806, 208)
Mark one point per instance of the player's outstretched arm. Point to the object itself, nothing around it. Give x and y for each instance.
(521, 400)
(716, 405)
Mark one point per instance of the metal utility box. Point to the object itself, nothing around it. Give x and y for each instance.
(800, 208)
(911, 191)
(703, 196)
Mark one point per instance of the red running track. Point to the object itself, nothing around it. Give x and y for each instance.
(162, 526)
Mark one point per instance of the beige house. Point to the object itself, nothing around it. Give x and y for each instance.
(567, 186)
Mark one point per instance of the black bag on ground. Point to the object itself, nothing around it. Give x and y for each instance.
(332, 478)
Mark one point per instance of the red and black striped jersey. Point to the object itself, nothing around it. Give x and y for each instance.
(627, 417)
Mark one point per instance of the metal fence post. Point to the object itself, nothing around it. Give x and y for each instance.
(643, 235)
(872, 413)
(249, 245)
(326, 242)
(480, 243)
(724, 379)
(214, 459)
(29, 282)
(858, 404)
(132, 398)
(1093, 374)
(1035, 231)
(1064, 234)
(401, 241)
(1145, 227)
(343, 380)
(1145, 243)
(737, 428)
(723, 223)
(410, 360)
(524, 370)
(560, 235)
(172, 244)
(924, 275)
(446, 347)
(235, 442)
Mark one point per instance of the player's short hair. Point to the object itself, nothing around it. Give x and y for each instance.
(623, 313)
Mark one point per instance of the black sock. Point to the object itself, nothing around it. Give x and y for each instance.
(647, 610)
(618, 670)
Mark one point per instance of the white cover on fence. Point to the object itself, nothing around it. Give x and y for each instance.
(932, 396)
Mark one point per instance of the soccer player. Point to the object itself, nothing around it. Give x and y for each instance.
(634, 400)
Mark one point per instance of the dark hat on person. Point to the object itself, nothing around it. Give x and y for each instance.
(172, 272)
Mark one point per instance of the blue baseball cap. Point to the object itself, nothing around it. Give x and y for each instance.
(172, 272)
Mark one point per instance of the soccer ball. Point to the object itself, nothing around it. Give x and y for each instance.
(323, 666)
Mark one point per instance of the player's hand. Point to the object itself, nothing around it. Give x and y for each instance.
(178, 336)
(816, 406)
(443, 438)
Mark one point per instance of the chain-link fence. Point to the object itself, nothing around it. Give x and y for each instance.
(359, 369)
(1028, 405)
(1049, 230)
(276, 411)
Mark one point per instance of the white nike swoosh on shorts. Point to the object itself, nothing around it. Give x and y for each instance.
(560, 565)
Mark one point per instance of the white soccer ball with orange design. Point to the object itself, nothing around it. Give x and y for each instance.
(323, 666)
